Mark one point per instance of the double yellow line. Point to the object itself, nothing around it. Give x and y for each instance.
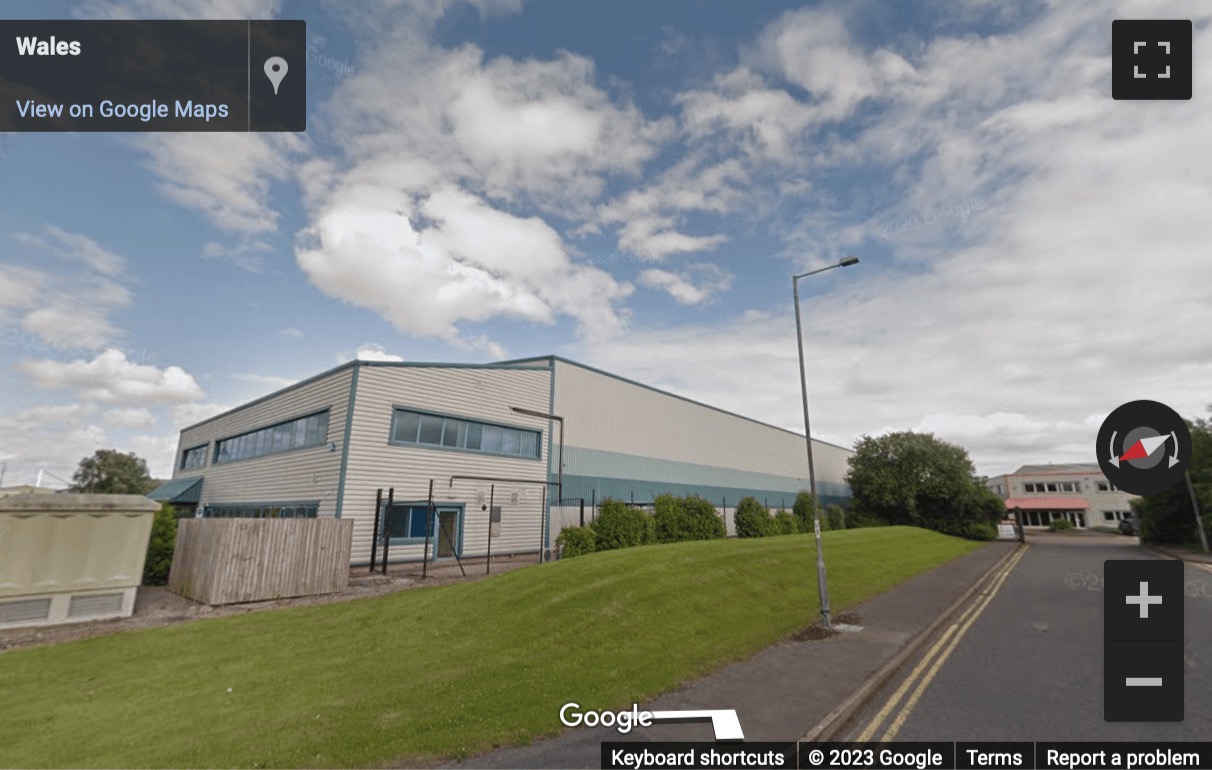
(946, 643)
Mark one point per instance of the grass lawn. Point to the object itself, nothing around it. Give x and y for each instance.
(433, 672)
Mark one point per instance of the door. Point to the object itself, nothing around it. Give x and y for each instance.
(449, 532)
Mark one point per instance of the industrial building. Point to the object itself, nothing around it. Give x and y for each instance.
(1078, 492)
(479, 445)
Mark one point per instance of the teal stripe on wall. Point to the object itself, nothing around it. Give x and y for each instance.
(597, 487)
(607, 468)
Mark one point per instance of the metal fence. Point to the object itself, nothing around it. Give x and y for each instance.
(227, 561)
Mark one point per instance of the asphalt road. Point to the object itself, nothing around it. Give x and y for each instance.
(1029, 666)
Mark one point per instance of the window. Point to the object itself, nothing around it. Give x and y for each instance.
(193, 458)
(406, 522)
(1069, 486)
(1109, 516)
(294, 434)
(1051, 487)
(290, 510)
(1104, 486)
(453, 433)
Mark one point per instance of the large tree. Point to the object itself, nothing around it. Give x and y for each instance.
(112, 472)
(1168, 517)
(916, 479)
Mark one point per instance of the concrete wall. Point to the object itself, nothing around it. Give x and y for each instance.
(67, 558)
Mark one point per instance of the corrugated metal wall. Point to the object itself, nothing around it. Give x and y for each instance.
(293, 475)
(471, 392)
(623, 436)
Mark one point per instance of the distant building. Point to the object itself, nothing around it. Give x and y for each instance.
(1078, 492)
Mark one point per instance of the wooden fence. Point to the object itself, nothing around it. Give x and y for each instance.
(225, 561)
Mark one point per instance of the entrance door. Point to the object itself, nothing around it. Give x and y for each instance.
(449, 532)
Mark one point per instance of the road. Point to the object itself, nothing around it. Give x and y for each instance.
(1026, 661)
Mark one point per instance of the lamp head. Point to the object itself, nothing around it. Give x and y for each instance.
(847, 261)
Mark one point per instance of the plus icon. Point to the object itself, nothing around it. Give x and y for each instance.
(1150, 59)
(1144, 600)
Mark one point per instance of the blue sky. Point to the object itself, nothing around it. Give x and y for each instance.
(631, 184)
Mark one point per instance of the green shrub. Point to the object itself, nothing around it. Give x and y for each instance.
(752, 519)
(676, 519)
(785, 524)
(620, 526)
(836, 516)
(1060, 525)
(160, 546)
(576, 541)
(802, 510)
(980, 530)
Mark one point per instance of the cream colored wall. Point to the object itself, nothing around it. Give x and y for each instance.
(294, 475)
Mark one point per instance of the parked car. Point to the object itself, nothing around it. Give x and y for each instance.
(1127, 527)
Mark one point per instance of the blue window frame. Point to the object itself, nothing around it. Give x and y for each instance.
(406, 522)
(415, 428)
(311, 430)
(194, 457)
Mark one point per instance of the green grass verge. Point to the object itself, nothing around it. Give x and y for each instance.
(433, 672)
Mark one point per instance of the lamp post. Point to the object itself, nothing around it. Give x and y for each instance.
(821, 582)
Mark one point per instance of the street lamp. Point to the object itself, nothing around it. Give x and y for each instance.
(821, 583)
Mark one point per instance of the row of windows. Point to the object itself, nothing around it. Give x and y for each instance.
(431, 430)
(194, 458)
(1054, 486)
(308, 510)
(1063, 486)
(1117, 515)
(294, 434)
(408, 427)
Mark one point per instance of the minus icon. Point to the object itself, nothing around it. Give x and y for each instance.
(1143, 681)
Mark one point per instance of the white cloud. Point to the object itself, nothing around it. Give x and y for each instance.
(65, 311)
(185, 415)
(439, 166)
(374, 352)
(695, 285)
(159, 451)
(272, 381)
(134, 417)
(51, 438)
(472, 263)
(291, 331)
(178, 9)
(75, 248)
(111, 378)
(224, 176)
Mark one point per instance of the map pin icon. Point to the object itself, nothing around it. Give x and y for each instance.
(275, 70)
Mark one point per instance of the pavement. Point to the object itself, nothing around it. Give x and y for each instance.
(792, 690)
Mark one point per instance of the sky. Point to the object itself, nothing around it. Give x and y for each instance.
(632, 185)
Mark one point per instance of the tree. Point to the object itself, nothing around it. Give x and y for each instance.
(802, 511)
(112, 472)
(160, 546)
(752, 519)
(1167, 517)
(916, 479)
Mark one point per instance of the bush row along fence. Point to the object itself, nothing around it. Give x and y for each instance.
(677, 519)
